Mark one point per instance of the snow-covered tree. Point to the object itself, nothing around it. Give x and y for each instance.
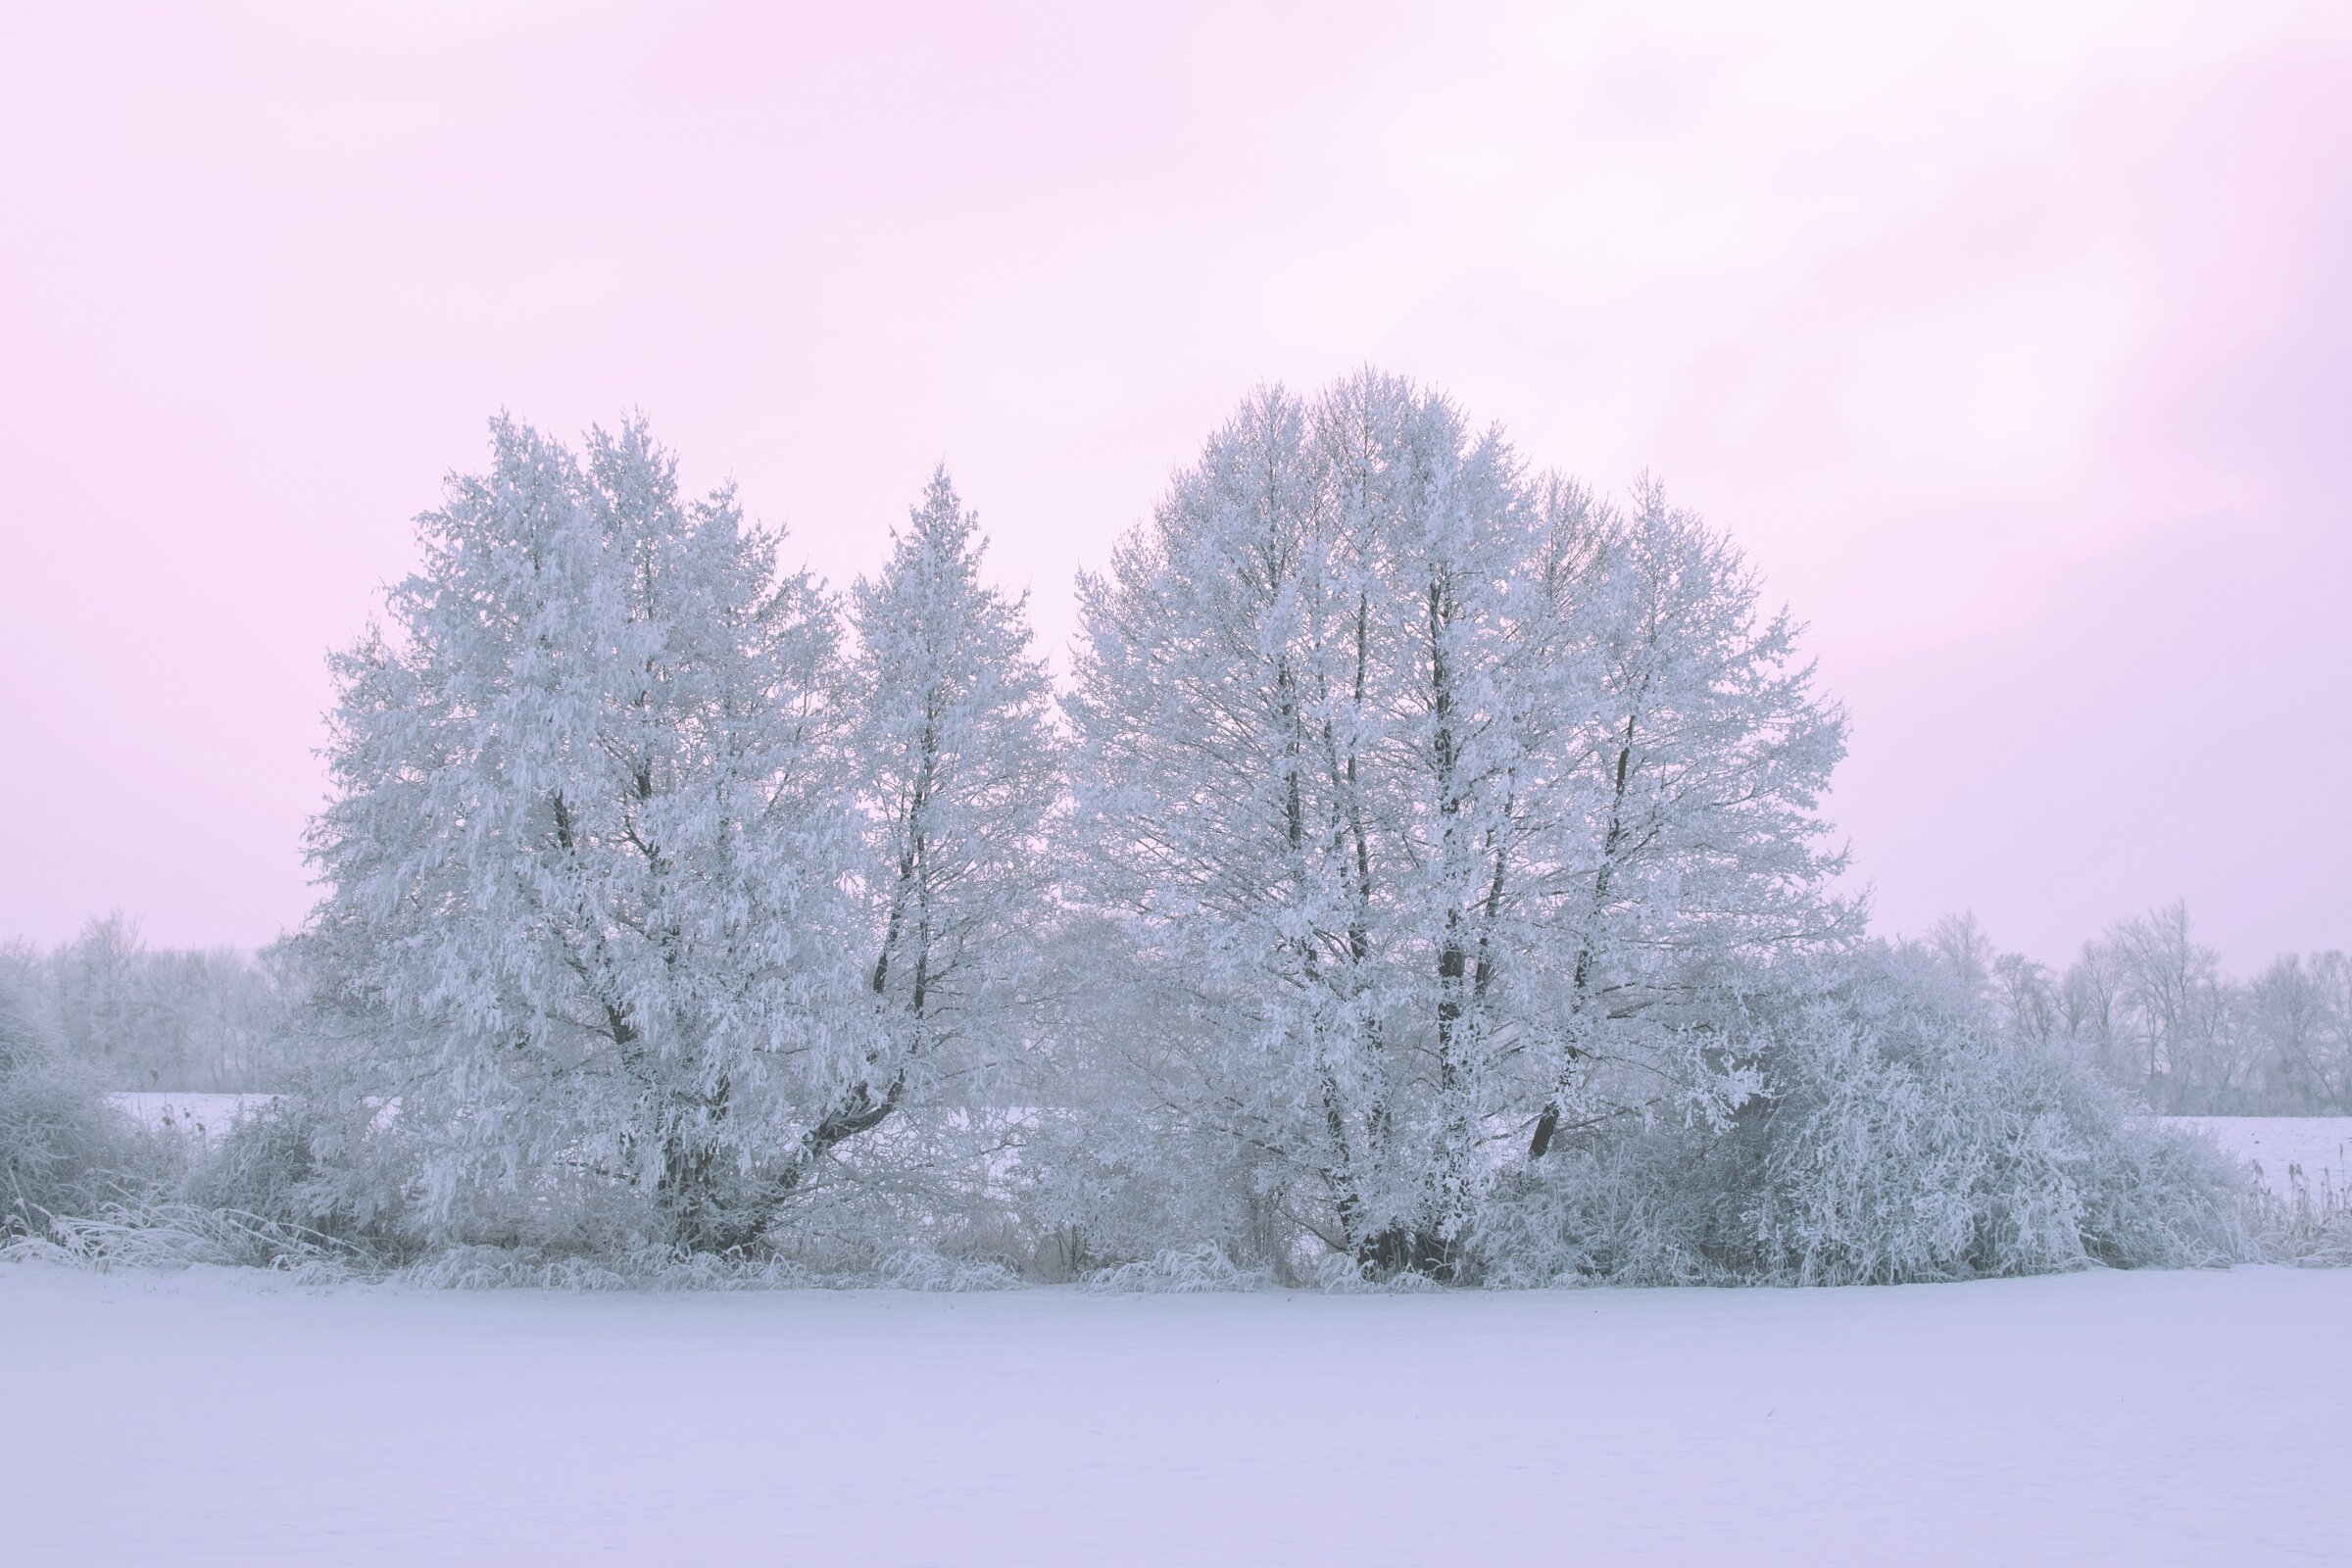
(2302, 1017)
(1694, 856)
(957, 773)
(1448, 788)
(589, 858)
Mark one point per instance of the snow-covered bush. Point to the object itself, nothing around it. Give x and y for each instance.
(64, 1149)
(303, 1171)
(1178, 1271)
(1899, 1135)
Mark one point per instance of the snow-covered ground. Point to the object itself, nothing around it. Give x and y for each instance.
(2320, 1147)
(2111, 1418)
(186, 1110)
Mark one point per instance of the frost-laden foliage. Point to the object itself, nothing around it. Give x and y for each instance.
(1899, 1135)
(657, 918)
(333, 1182)
(590, 923)
(1438, 806)
(1432, 890)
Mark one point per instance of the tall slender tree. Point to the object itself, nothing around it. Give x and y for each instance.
(1692, 851)
(957, 772)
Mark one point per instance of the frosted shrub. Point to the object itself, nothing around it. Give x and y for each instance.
(1633, 1208)
(1159, 1194)
(293, 1165)
(64, 1149)
(489, 1268)
(1899, 1137)
(1906, 1139)
(922, 1269)
(1178, 1271)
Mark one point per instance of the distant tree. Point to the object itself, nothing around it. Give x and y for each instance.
(63, 1150)
(142, 1017)
(94, 981)
(2026, 997)
(2300, 1015)
(2092, 1013)
(1965, 952)
(2147, 1005)
(2172, 987)
(2021, 993)
(589, 857)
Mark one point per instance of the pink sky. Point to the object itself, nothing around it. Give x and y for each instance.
(2011, 342)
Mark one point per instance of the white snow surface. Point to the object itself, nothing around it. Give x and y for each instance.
(2320, 1147)
(2149, 1418)
(192, 1112)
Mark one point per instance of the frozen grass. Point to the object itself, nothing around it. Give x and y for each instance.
(205, 1417)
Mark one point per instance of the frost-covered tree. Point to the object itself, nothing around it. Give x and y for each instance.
(1693, 859)
(958, 774)
(1446, 791)
(2172, 991)
(589, 858)
(2301, 1014)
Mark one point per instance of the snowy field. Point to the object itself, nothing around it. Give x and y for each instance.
(187, 1111)
(2320, 1147)
(2113, 1418)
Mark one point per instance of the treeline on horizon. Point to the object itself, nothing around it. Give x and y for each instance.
(1421, 877)
(2144, 1003)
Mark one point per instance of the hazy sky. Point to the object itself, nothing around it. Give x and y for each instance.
(2012, 343)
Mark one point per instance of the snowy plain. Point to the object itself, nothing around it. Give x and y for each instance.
(208, 1417)
(198, 1112)
(2320, 1148)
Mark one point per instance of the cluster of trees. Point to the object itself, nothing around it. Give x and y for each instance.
(1412, 809)
(141, 1017)
(642, 874)
(1423, 872)
(2148, 1006)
